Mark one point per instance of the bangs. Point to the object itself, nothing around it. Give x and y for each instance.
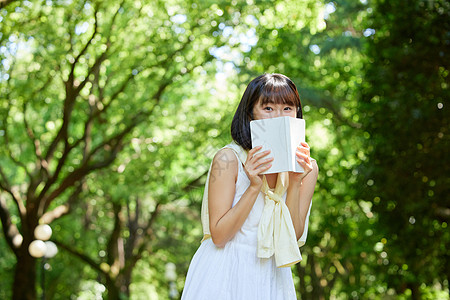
(264, 89)
(279, 93)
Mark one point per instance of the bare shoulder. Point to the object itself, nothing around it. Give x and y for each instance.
(225, 163)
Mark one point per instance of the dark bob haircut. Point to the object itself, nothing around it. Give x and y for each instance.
(267, 88)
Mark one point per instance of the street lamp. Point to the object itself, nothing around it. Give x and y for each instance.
(42, 247)
(43, 232)
(171, 276)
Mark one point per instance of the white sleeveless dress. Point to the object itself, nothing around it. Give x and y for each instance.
(235, 272)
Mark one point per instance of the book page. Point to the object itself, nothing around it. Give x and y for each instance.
(281, 136)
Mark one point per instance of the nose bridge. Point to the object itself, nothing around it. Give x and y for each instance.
(279, 111)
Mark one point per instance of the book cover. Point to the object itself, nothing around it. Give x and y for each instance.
(282, 136)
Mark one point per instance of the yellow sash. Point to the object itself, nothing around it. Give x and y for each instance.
(276, 234)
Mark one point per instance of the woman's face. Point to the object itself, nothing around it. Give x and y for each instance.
(272, 110)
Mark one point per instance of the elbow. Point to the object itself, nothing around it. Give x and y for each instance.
(218, 240)
(219, 244)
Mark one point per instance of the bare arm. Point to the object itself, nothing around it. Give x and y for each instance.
(225, 220)
(298, 199)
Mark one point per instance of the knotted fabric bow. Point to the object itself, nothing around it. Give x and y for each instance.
(276, 233)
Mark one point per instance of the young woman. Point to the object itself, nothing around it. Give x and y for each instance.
(253, 224)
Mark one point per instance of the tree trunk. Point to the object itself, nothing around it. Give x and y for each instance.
(317, 292)
(125, 282)
(301, 286)
(113, 290)
(24, 286)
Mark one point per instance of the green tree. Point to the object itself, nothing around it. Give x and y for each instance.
(110, 116)
(77, 82)
(405, 111)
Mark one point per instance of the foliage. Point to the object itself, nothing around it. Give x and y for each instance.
(112, 112)
(406, 168)
(90, 87)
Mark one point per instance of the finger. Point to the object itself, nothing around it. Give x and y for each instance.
(307, 166)
(306, 169)
(253, 151)
(303, 149)
(304, 144)
(252, 165)
(262, 162)
(258, 156)
(263, 168)
(260, 169)
(303, 156)
(302, 162)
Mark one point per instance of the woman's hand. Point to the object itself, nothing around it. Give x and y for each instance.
(304, 159)
(256, 164)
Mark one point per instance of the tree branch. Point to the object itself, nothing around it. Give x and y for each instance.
(79, 174)
(115, 142)
(54, 177)
(63, 209)
(92, 69)
(195, 183)
(83, 51)
(9, 229)
(72, 93)
(67, 113)
(5, 185)
(317, 100)
(133, 227)
(143, 242)
(96, 266)
(115, 234)
(4, 3)
(8, 150)
(40, 162)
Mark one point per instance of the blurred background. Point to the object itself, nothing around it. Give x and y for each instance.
(111, 112)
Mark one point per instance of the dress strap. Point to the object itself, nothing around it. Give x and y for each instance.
(240, 162)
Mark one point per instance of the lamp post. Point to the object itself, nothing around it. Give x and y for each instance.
(42, 247)
(171, 276)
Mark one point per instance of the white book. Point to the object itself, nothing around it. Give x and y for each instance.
(282, 136)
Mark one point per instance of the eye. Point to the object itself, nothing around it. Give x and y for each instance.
(289, 108)
(268, 108)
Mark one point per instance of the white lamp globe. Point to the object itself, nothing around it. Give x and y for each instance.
(171, 274)
(17, 240)
(37, 248)
(52, 250)
(43, 232)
